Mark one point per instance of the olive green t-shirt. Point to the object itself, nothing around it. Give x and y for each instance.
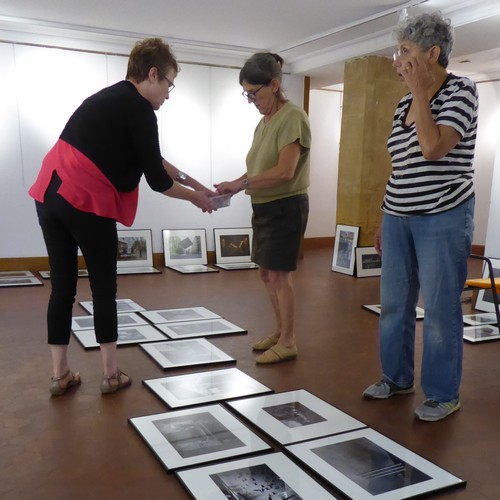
(288, 125)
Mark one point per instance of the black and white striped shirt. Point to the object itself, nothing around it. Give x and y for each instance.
(418, 186)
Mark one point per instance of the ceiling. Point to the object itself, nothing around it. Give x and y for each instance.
(315, 37)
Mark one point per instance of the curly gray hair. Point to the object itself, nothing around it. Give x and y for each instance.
(427, 30)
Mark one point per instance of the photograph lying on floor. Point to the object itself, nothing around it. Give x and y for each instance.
(125, 319)
(122, 306)
(203, 328)
(269, 476)
(135, 252)
(346, 239)
(366, 464)
(368, 262)
(82, 273)
(290, 417)
(24, 280)
(376, 309)
(480, 319)
(182, 353)
(126, 336)
(233, 248)
(481, 333)
(184, 246)
(179, 314)
(195, 436)
(205, 387)
(15, 274)
(484, 301)
(193, 269)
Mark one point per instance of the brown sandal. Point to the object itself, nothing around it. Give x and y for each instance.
(61, 384)
(109, 385)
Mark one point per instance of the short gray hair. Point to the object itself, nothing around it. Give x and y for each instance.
(427, 30)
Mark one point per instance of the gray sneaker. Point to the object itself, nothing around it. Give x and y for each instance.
(431, 410)
(384, 390)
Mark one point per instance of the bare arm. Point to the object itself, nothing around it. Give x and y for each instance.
(184, 178)
(201, 199)
(283, 171)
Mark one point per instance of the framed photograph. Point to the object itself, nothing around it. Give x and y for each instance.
(126, 336)
(365, 464)
(135, 248)
(480, 319)
(122, 306)
(189, 437)
(182, 353)
(376, 309)
(178, 314)
(82, 273)
(368, 262)
(481, 333)
(290, 417)
(202, 328)
(484, 301)
(124, 319)
(233, 246)
(183, 247)
(137, 270)
(15, 274)
(272, 475)
(194, 269)
(6, 281)
(346, 239)
(204, 387)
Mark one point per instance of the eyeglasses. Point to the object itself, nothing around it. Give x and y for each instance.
(171, 86)
(251, 95)
(399, 53)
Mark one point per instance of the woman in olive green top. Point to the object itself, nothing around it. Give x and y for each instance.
(277, 179)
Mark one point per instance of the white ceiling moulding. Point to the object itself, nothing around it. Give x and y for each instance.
(75, 37)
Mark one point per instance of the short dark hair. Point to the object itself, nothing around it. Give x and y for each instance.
(150, 53)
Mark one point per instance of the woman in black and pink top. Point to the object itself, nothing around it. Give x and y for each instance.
(89, 181)
(428, 219)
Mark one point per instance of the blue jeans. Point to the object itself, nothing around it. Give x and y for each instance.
(426, 254)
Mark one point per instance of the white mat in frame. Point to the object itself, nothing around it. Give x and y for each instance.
(193, 269)
(179, 314)
(189, 437)
(122, 306)
(205, 387)
(366, 464)
(481, 333)
(82, 273)
(124, 319)
(377, 309)
(272, 475)
(293, 416)
(127, 335)
(203, 328)
(183, 353)
(19, 280)
(480, 319)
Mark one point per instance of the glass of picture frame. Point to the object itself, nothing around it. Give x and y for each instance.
(273, 475)
(293, 416)
(8, 280)
(184, 247)
(419, 311)
(135, 248)
(481, 333)
(368, 262)
(233, 248)
(184, 353)
(480, 319)
(205, 387)
(125, 319)
(122, 306)
(178, 314)
(202, 328)
(366, 464)
(189, 437)
(127, 335)
(346, 239)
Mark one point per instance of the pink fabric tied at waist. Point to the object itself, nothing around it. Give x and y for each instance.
(83, 185)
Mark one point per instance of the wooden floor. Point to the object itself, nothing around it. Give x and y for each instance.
(81, 446)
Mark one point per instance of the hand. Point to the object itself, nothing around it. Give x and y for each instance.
(229, 187)
(202, 200)
(377, 241)
(417, 76)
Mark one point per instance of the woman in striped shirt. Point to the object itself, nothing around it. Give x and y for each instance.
(426, 233)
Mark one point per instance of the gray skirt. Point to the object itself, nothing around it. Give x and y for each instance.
(278, 229)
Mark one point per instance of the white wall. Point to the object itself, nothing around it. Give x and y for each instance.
(206, 128)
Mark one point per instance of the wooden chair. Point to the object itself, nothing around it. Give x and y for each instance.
(489, 283)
